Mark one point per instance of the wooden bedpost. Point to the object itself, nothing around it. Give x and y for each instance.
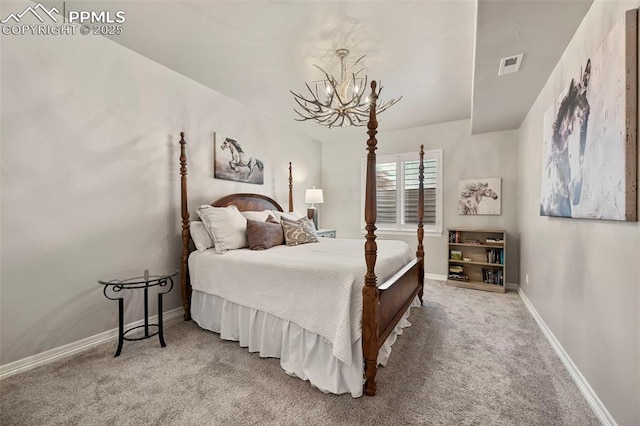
(290, 189)
(370, 290)
(420, 251)
(184, 273)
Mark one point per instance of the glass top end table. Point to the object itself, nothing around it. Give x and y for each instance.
(144, 279)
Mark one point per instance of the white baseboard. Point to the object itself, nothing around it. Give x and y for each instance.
(435, 277)
(76, 347)
(589, 395)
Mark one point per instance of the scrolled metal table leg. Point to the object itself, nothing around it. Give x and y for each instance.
(120, 326)
(117, 288)
(146, 310)
(162, 284)
(160, 328)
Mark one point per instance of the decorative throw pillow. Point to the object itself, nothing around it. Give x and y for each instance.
(227, 227)
(291, 216)
(200, 235)
(264, 235)
(261, 216)
(298, 232)
(301, 220)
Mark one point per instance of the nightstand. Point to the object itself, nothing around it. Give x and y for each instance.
(326, 233)
(116, 283)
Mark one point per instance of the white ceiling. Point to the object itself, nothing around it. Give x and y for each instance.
(256, 51)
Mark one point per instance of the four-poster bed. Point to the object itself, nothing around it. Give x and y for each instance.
(383, 307)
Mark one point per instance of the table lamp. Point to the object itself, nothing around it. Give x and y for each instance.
(313, 196)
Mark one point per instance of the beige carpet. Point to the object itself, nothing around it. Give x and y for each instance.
(470, 357)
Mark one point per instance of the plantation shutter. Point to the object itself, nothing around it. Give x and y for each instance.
(397, 191)
(411, 191)
(386, 180)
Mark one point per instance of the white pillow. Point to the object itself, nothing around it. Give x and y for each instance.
(200, 235)
(261, 216)
(291, 216)
(227, 227)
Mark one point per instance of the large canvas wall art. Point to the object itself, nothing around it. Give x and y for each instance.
(479, 196)
(590, 135)
(236, 161)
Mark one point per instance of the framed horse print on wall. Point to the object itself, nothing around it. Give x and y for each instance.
(589, 158)
(482, 196)
(236, 161)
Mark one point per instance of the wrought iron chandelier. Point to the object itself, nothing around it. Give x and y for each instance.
(339, 103)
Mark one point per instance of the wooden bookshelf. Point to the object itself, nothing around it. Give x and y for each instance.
(485, 264)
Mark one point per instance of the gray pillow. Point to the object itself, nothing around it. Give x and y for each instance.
(264, 235)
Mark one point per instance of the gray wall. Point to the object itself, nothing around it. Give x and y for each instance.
(584, 275)
(90, 181)
(465, 156)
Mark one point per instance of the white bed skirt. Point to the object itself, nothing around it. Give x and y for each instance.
(302, 353)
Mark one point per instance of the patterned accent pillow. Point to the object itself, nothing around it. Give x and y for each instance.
(301, 219)
(298, 232)
(264, 235)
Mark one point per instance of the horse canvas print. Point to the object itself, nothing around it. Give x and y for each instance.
(236, 161)
(479, 196)
(589, 149)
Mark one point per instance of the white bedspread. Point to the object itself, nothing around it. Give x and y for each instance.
(317, 286)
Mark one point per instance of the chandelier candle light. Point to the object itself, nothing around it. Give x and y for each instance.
(339, 103)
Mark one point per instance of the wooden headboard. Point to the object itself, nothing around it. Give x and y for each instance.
(248, 202)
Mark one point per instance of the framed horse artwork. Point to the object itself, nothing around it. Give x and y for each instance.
(589, 160)
(236, 161)
(479, 196)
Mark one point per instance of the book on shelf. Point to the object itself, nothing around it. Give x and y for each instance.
(456, 269)
(458, 277)
(455, 255)
(494, 240)
(454, 237)
(495, 256)
(492, 276)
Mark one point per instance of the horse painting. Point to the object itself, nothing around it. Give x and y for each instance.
(564, 163)
(241, 167)
(472, 193)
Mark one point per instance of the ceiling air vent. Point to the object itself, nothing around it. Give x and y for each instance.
(510, 64)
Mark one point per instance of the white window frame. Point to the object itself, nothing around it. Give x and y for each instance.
(434, 230)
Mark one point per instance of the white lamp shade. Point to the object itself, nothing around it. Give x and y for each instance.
(313, 196)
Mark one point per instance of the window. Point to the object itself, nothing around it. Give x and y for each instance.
(397, 191)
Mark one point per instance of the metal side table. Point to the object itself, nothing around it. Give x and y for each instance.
(115, 283)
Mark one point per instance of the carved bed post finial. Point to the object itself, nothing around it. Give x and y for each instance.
(184, 273)
(420, 251)
(290, 188)
(370, 290)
